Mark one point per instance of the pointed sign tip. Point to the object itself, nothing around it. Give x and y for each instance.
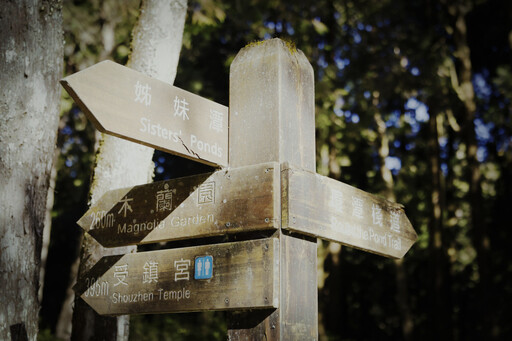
(410, 229)
(125, 103)
(80, 222)
(69, 86)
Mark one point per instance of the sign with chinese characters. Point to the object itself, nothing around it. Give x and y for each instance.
(128, 104)
(226, 201)
(238, 275)
(325, 208)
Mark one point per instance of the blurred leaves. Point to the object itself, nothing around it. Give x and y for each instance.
(390, 58)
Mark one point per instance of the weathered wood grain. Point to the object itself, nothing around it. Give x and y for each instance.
(325, 208)
(244, 275)
(128, 104)
(271, 127)
(226, 201)
(273, 119)
(272, 106)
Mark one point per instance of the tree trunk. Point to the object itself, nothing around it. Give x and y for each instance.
(440, 309)
(48, 226)
(402, 293)
(30, 67)
(465, 91)
(109, 19)
(156, 46)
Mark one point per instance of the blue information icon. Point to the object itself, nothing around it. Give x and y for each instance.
(203, 268)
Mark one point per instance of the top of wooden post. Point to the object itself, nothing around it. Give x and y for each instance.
(272, 108)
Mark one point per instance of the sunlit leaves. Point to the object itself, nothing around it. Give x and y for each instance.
(319, 26)
(207, 13)
(386, 57)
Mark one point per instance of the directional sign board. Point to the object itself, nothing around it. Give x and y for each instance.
(239, 275)
(226, 201)
(325, 208)
(128, 104)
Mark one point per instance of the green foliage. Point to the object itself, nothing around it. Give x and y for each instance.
(393, 60)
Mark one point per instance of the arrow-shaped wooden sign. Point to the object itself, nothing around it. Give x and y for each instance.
(128, 104)
(248, 199)
(226, 201)
(325, 208)
(239, 275)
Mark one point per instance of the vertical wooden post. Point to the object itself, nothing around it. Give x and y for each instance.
(272, 118)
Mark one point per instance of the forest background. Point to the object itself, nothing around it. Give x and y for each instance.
(413, 102)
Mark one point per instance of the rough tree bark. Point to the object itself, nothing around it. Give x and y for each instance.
(156, 45)
(31, 54)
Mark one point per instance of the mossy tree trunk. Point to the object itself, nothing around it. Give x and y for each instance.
(156, 45)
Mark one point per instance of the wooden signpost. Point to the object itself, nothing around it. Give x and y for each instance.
(267, 283)
(328, 209)
(128, 104)
(247, 199)
(227, 276)
(224, 202)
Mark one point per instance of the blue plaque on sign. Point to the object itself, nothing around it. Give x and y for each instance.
(203, 268)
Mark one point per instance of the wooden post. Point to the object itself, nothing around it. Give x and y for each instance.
(268, 285)
(272, 119)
